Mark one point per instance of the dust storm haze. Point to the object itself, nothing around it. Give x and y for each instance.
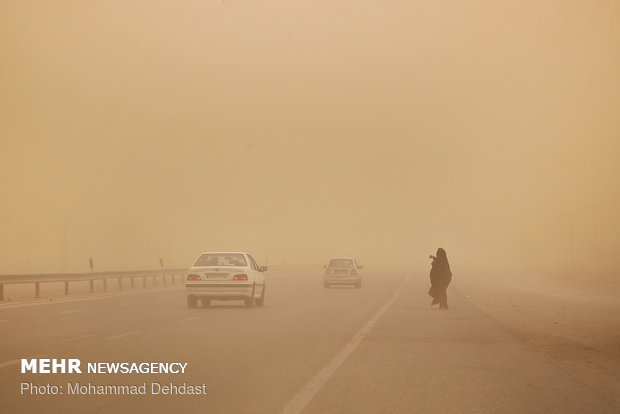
(302, 130)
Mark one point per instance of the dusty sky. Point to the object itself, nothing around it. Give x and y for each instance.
(299, 130)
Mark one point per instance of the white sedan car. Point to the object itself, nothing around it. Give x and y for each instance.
(225, 276)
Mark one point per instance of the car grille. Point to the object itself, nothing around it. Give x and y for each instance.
(216, 276)
(341, 272)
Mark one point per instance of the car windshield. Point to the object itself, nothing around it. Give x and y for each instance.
(221, 259)
(341, 263)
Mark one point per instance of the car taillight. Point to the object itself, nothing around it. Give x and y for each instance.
(353, 272)
(240, 277)
(193, 277)
(328, 271)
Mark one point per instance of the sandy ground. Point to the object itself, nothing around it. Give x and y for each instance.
(575, 322)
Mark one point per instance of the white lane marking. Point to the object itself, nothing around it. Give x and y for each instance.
(190, 319)
(17, 361)
(299, 402)
(77, 338)
(72, 311)
(123, 335)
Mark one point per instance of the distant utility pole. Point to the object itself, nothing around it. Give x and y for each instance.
(28, 256)
(63, 245)
(594, 230)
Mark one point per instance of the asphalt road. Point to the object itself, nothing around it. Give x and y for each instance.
(379, 349)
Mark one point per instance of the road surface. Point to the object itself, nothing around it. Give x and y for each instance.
(378, 349)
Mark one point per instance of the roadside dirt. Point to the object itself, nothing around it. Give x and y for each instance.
(575, 322)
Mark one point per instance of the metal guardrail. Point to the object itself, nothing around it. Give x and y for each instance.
(153, 275)
(37, 279)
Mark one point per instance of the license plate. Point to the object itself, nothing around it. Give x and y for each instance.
(216, 276)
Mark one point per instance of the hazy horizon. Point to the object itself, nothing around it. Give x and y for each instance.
(137, 130)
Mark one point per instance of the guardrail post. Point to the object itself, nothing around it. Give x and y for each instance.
(168, 278)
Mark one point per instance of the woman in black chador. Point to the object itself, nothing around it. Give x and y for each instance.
(440, 279)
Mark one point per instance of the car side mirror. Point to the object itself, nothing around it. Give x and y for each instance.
(324, 267)
(360, 267)
(263, 268)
